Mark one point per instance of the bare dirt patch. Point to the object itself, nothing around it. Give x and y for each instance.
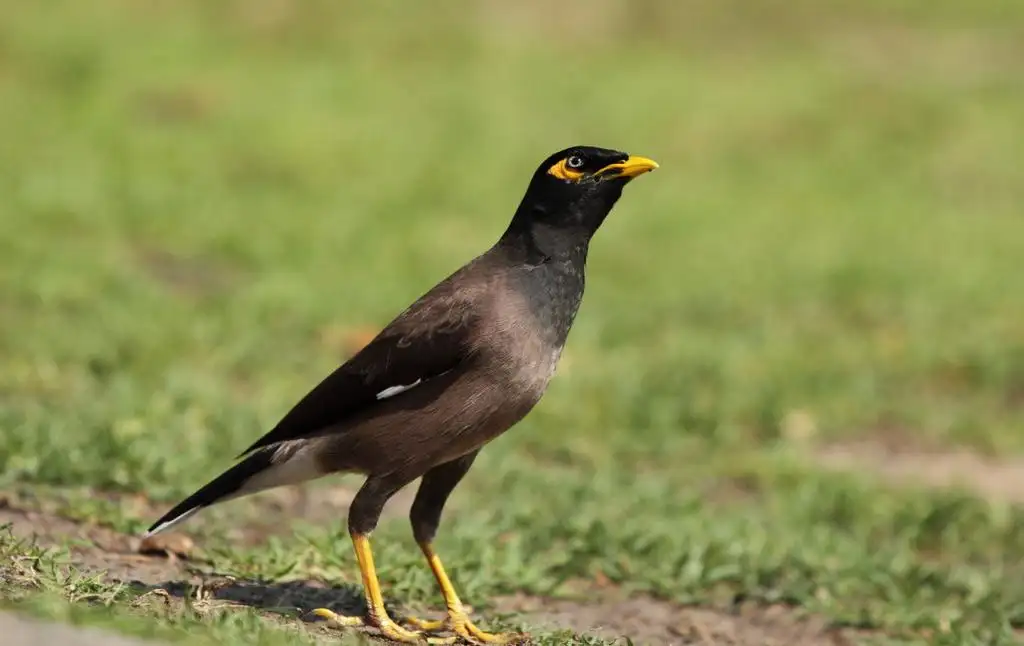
(609, 614)
(92, 548)
(244, 522)
(997, 480)
(168, 580)
(275, 512)
(655, 622)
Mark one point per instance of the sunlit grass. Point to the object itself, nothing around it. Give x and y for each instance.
(196, 194)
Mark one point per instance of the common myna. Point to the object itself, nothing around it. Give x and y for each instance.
(457, 368)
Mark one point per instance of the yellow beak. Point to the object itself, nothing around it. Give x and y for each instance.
(631, 167)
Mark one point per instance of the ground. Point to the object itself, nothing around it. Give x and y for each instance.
(605, 612)
(790, 410)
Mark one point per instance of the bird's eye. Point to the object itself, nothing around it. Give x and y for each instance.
(574, 161)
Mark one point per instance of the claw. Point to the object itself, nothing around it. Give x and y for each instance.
(377, 615)
(459, 623)
(385, 625)
(339, 620)
(426, 625)
(457, 620)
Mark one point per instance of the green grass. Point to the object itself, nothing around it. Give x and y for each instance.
(194, 193)
(42, 582)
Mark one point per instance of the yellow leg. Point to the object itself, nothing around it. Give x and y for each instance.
(457, 621)
(377, 616)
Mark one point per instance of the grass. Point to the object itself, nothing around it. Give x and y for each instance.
(43, 582)
(198, 196)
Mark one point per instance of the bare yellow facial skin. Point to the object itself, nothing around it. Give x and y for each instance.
(562, 171)
(633, 166)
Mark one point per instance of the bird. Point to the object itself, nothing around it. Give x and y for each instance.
(458, 367)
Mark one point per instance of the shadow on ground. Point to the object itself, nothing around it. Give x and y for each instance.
(611, 613)
(286, 598)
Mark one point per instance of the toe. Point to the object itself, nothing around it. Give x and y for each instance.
(393, 631)
(339, 620)
(470, 632)
(385, 625)
(426, 625)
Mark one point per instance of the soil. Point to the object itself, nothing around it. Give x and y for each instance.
(608, 614)
(1001, 481)
(652, 621)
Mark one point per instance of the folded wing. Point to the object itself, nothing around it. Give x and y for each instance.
(428, 339)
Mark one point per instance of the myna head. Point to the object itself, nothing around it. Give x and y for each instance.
(577, 187)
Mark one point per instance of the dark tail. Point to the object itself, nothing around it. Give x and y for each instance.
(227, 485)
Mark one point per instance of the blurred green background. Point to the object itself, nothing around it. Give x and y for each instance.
(197, 198)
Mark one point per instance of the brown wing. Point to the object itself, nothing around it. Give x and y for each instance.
(429, 338)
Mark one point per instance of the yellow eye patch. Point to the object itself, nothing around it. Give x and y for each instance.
(562, 171)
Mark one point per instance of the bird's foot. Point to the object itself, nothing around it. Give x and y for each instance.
(459, 623)
(384, 624)
(425, 625)
(339, 620)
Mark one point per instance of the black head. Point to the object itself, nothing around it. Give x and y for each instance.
(575, 189)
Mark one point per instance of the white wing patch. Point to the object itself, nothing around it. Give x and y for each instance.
(395, 390)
